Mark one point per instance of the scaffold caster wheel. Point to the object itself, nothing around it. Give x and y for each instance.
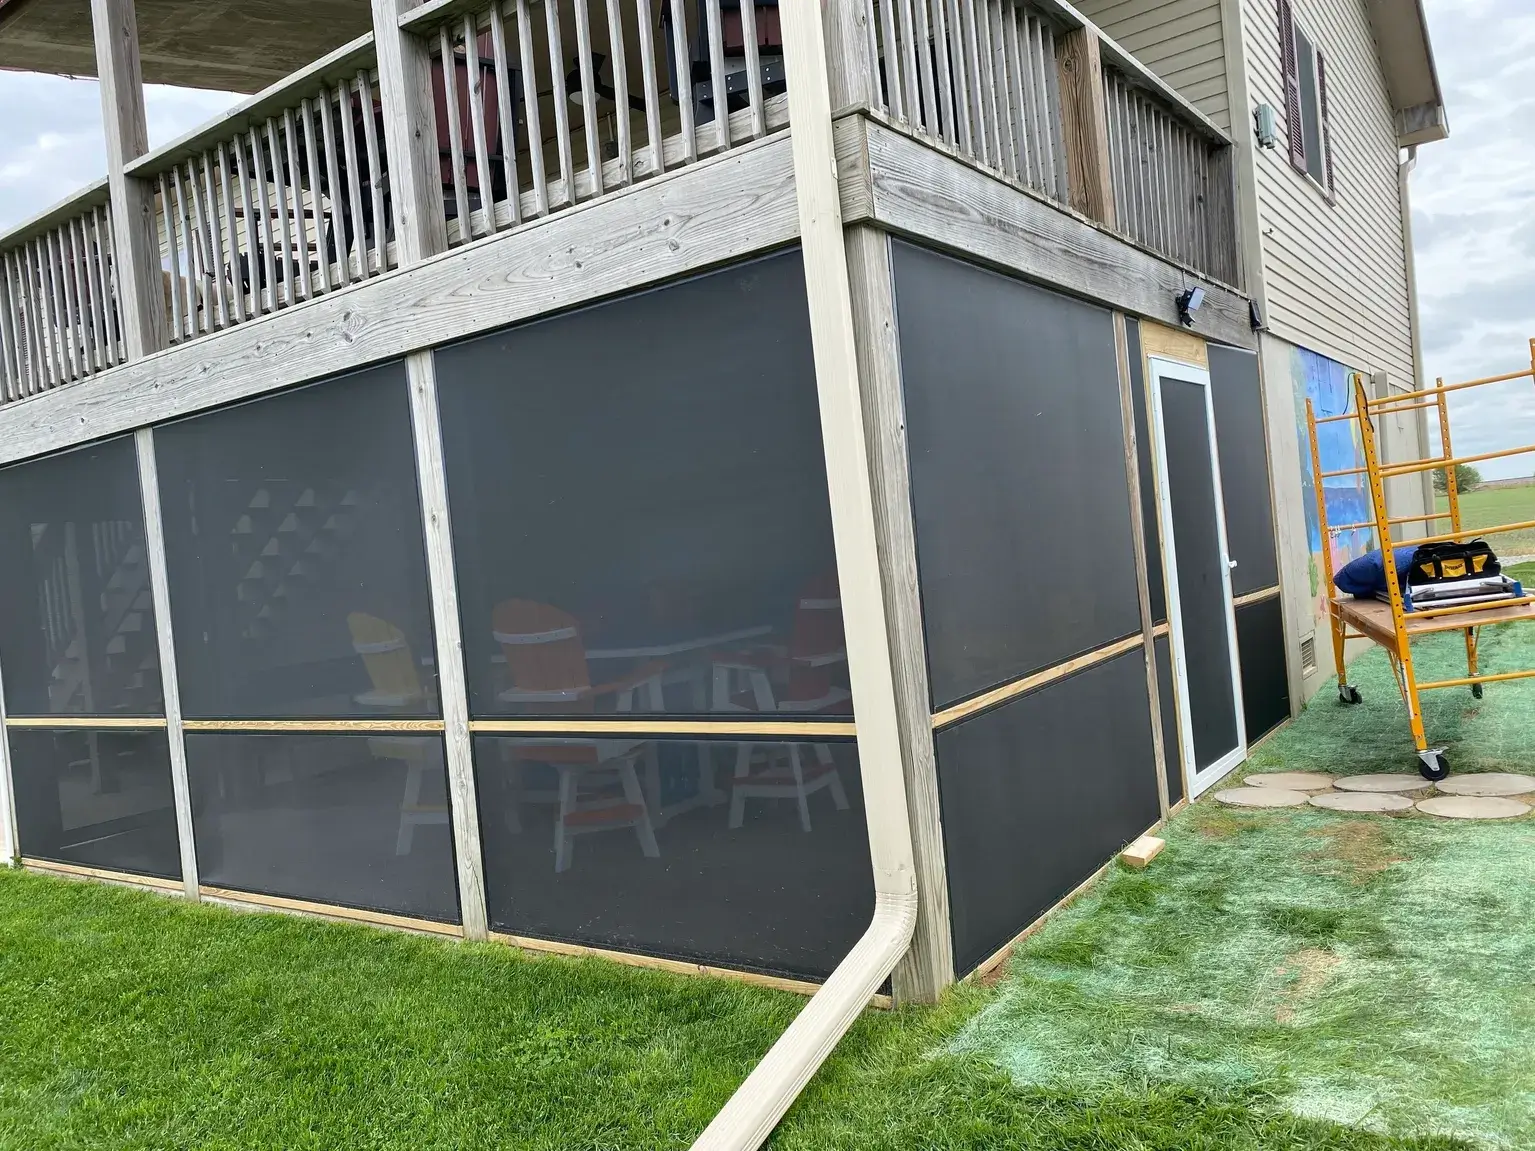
(1348, 693)
(1476, 691)
(1433, 766)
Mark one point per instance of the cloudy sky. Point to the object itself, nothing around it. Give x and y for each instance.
(1473, 197)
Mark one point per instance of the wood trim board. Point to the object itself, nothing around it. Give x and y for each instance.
(97, 722)
(255, 901)
(675, 966)
(1258, 596)
(724, 729)
(997, 695)
(75, 871)
(718, 211)
(1172, 344)
(917, 190)
(338, 726)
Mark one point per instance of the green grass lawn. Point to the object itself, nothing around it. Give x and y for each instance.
(1488, 506)
(1280, 981)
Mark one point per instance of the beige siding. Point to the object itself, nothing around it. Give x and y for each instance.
(1179, 40)
(1335, 274)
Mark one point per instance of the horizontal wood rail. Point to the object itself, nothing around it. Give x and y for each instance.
(1008, 691)
(75, 871)
(1253, 597)
(89, 722)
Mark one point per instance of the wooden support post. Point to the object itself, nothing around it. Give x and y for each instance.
(136, 274)
(929, 966)
(410, 135)
(1084, 124)
(154, 547)
(850, 70)
(10, 841)
(452, 689)
(1142, 559)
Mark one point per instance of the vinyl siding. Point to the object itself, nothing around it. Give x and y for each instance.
(1179, 40)
(1335, 275)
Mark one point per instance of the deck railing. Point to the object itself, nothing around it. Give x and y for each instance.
(1173, 189)
(282, 199)
(514, 135)
(978, 75)
(58, 305)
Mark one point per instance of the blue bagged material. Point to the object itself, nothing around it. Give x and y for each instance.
(1366, 576)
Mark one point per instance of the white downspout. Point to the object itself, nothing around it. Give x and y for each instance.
(1404, 172)
(754, 1110)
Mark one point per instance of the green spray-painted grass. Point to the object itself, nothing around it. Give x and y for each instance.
(1371, 970)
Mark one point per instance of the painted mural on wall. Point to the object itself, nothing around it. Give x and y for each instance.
(1326, 384)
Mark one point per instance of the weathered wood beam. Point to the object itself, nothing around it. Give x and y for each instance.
(136, 267)
(1084, 124)
(907, 187)
(715, 212)
(410, 133)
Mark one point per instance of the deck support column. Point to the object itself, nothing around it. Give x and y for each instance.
(415, 185)
(154, 548)
(452, 688)
(140, 281)
(929, 966)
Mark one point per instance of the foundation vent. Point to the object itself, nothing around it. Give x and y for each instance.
(1308, 653)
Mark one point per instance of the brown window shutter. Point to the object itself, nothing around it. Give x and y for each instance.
(1321, 86)
(1292, 115)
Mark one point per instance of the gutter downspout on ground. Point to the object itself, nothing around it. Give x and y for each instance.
(760, 1102)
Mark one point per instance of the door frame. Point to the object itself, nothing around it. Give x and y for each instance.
(1195, 781)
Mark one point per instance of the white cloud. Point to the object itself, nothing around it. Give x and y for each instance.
(1473, 201)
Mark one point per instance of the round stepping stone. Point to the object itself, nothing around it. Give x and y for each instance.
(1367, 801)
(1382, 781)
(1472, 807)
(1291, 780)
(1261, 797)
(1487, 783)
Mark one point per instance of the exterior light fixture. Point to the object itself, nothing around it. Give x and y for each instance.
(1189, 302)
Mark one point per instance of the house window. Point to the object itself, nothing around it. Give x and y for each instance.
(1305, 69)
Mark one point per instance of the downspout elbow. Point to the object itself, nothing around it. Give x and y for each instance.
(748, 1118)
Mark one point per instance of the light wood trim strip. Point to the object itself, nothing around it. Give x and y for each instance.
(331, 911)
(952, 715)
(833, 729)
(675, 966)
(101, 722)
(75, 871)
(395, 726)
(1138, 545)
(1256, 596)
(1000, 956)
(1171, 344)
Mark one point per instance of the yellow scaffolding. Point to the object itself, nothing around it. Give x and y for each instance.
(1389, 623)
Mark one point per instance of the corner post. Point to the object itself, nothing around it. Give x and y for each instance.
(1084, 124)
(154, 548)
(415, 180)
(929, 966)
(410, 133)
(10, 841)
(136, 257)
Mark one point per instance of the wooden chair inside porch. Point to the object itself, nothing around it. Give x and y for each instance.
(396, 680)
(812, 673)
(598, 785)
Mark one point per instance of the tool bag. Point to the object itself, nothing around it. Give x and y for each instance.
(1438, 563)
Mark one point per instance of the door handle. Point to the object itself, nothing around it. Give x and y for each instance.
(1231, 564)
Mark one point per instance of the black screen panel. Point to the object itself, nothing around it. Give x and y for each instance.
(640, 512)
(77, 634)
(1145, 459)
(96, 798)
(1017, 461)
(1245, 486)
(1202, 601)
(1265, 678)
(297, 565)
(360, 821)
(743, 854)
(1167, 699)
(1038, 794)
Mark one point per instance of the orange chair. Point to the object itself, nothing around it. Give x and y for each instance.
(599, 787)
(396, 683)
